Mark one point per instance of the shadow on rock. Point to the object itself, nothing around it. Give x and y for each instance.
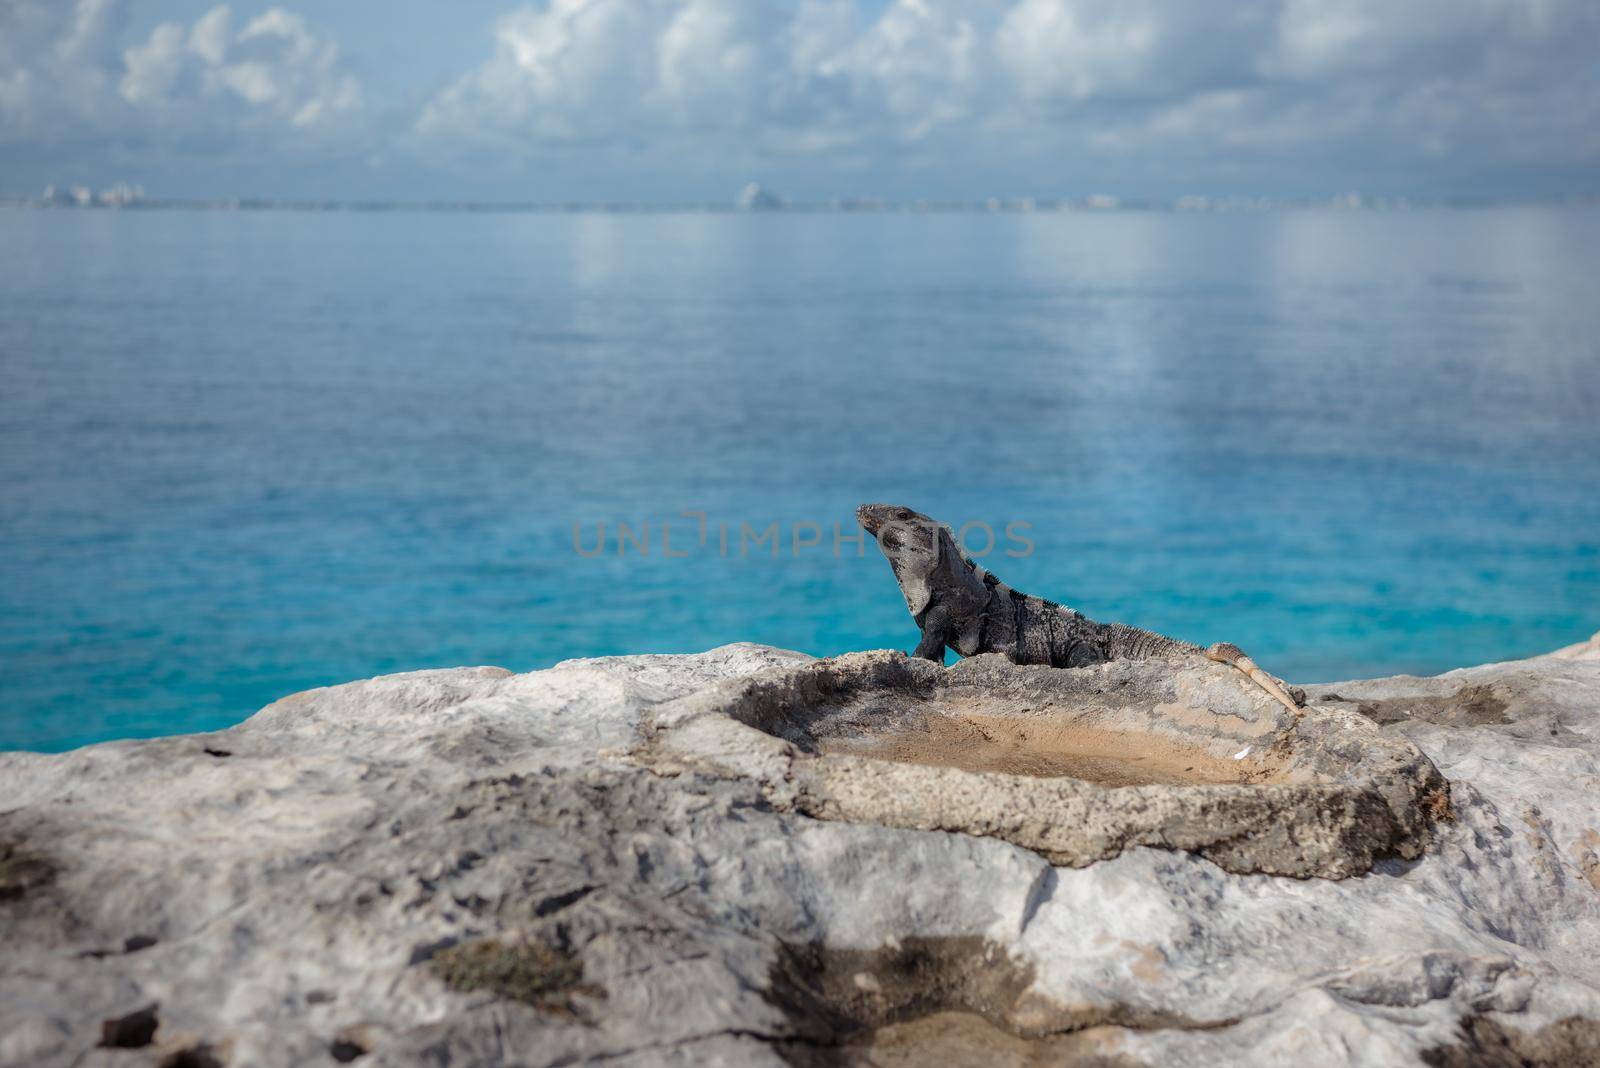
(960, 1001)
(1485, 1043)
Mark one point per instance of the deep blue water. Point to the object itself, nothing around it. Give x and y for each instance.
(246, 454)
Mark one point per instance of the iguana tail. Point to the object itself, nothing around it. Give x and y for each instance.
(1228, 653)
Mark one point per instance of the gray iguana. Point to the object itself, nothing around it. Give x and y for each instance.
(956, 603)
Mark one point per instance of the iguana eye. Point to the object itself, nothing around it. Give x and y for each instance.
(905, 513)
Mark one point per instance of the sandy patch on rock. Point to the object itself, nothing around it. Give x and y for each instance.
(974, 742)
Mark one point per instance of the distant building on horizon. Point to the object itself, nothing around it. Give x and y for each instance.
(121, 195)
(74, 196)
(754, 198)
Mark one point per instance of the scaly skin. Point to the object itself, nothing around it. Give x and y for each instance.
(959, 605)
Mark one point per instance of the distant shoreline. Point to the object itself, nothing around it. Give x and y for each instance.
(1017, 206)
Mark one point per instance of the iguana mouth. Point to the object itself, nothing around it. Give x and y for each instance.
(883, 521)
(874, 517)
(870, 518)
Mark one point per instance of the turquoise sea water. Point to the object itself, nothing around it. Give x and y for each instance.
(245, 454)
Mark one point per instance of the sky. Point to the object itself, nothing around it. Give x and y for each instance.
(662, 101)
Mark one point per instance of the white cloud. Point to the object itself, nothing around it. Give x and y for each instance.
(1491, 82)
(775, 76)
(1428, 78)
(1013, 87)
(54, 64)
(208, 37)
(1064, 53)
(68, 76)
(922, 63)
(152, 69)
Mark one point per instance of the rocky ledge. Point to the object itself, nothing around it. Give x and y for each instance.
(470, 867)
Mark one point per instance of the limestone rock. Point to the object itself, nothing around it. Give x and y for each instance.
(469, 867)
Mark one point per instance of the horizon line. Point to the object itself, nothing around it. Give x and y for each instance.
(124, 198)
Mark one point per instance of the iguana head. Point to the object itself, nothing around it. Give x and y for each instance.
(912, 542)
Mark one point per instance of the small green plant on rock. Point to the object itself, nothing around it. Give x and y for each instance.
(524, 970)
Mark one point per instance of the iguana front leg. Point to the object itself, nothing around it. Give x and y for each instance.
(935, 626)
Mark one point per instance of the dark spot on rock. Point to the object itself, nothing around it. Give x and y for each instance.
(22, 869)
(320, 997)
(955, 1040)
(428, 950)
(557, 902)
(129, 945)
(527, 971)
(831, 994)
(133, 1031)
(345, 1050)
(219, 753)
(200, 1056)
(917, 1001)
(352, 1042)
(461, 812)
(1436, 803)
(1473, 705)
(1484, 1043)
(1480, 705)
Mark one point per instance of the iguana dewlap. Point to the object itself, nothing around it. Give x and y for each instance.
(957, 604)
